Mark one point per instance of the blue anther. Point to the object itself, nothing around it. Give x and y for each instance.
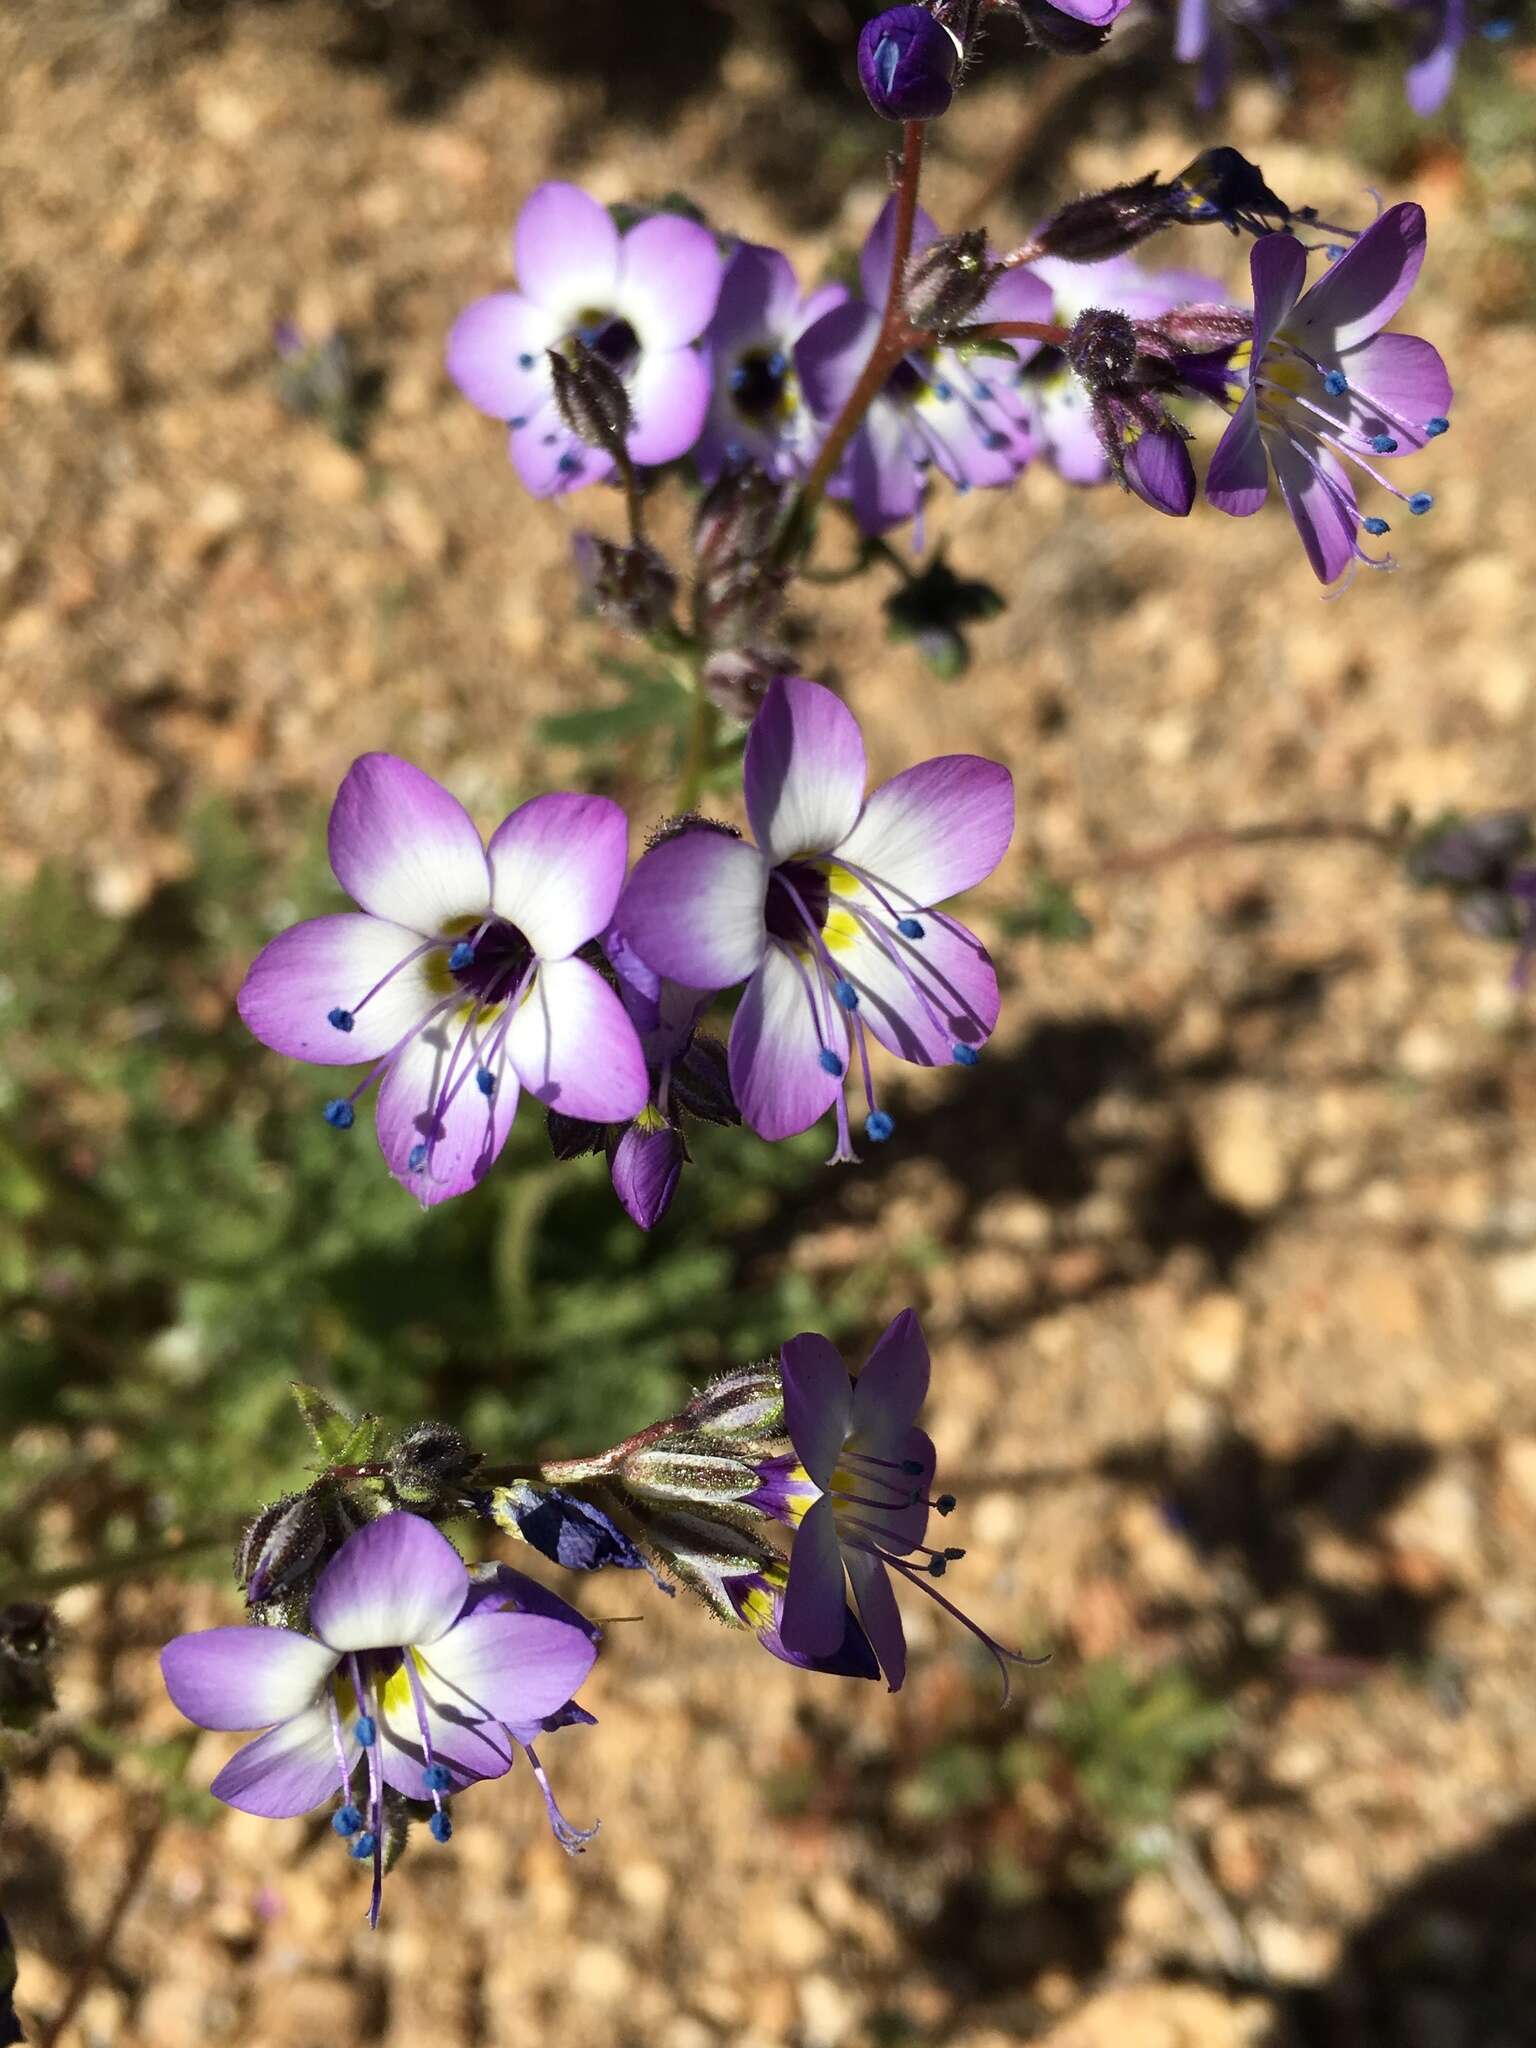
(830, 1063)
(945, 1504)
(739, 377)
(525, 361)
(1375, 526)
(485, 1081)
(1383, 444)
(340, 1114)
(346, 1820)
(440, 1827)
(943, 391)
(518, 421)
(1333, 252)
(1420, 503)
(1335, 383)
(965, 1055)
(995, 440)
(367, 1730)
(909, 928)
(437, 1777)
(776, 364)
(569, 463)
(417, 1159)
(1436, 427)
(363, 1846)
(462, 956)
(1498, 31)
(847, 995)
(878, 1126)
(339, 1019)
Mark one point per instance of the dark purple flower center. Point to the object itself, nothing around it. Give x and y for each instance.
(500, 959)
(610, 337)
(796, 878)
(757, 383)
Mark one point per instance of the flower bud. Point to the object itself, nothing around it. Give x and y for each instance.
(645, 1167)
(429, 1460)
(1059, 33)
(1196, 330)
(590, 396)
(569, 1530)
(736, 679)
(1102, 347)
(632, 586)
(706, 1552)
(573, 1137)
(1221, 185)
(744, 1405)
(737, 517)
(1103, 224)
(947, 281)
(907, 64)
(741, 602)
(280, 1548)
(28, 1639)
(682, 1469)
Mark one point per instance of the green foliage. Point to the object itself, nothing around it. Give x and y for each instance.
(182, 1236)
(1050, 912)
(1133, 1744)
(653, 698)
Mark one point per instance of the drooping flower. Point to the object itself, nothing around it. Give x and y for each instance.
(1323, 386)
(757, 413)
(407, 1671)
(855, 1490)
(1432, 73)
(458, 977)
(907, 64)
(758, 1598)
(1060, 404)
(639, 299)
(936, 411)
(829, 918)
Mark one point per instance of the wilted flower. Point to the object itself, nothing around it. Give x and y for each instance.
(829, 918)
(639, 300)
(938, 410)
(757, 413)
(407, 1669)
(459, 979)
(907, 64)
(1324, 386)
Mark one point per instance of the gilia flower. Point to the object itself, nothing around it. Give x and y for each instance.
(407, 1670)
(936, 411)
(640, 300)
(1324, 386)
(458, 979)
(829, 918)
(855, 1492)
(756, 412)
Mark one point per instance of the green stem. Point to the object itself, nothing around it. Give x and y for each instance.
(703, 729)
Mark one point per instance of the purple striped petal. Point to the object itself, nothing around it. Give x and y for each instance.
(433, 1110)
(693, 909)
(669, 393)
(332, 963)
(1237, 481)
(1159, 471)
(566, 249)
(803, 771)
(670, 270)
(758, 297)
(397, 1581)
(497, 1588)
(468, 1750)
(812, 1624)
(774, 1055)
(1360, 293)
(1323, 517)
(947, 996)
(818, 1402)
(574, 1047)
(889, 1393)
(244, 1677)
(403, 848)
(934, 830)
(880, 1615)
(1278, 267)
(645, 1170)
(1396, 383)
(879, 250)
(290, 1770)
(883, 481)
(557, 866)
(501, 1666)
(831, 354)
(496, 354)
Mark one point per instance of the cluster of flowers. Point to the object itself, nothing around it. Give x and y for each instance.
(388, 1676)
(472, 972)
(724, 359)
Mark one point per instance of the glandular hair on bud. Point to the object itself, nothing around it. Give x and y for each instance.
(431, 1458)
(685, 1470)
(1102, 347)
(1201, 329)
(1102, 224)
(590, 396)
(745, 1406)
(632, 585)
(280, 1548)
(738, 518)
(947, 281)
(705, 1551)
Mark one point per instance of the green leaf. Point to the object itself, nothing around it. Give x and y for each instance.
(654, 699)
(1052, 914)
(331, 1429)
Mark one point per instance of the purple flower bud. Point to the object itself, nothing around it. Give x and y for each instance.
(632, 586)
(1060, 31)
(646, 1166)
(736, 678)
(743, 1405)
(907, 64)
(1103, 224)
(947, 281)
(590, 396)
(279, 1548)
(568, 1530)
(737, 519)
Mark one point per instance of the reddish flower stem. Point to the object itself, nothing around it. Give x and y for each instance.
(1046, 331)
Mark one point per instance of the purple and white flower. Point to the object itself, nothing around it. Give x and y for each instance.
(408, 1671)
(1324, 387)
(964, 419)
(855, 1490)
(757, 412)
(458, 978)
(758, 1598)
(829, 919)
(640, 299)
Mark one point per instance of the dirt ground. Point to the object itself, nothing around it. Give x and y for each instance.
(1234, 1321)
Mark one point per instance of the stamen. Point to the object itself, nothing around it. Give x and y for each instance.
(878, 1126)
(573, 1840)
(965, 1055)
(340, 1020)
(945, 1504)
(909, 928)
(437, 1777)
(426, 946)
(416, 1158)
(367, 1731)
(462, 956)
(375, 1834)
(1375, 526)
(1420, 503)
(526, 361)
(485, 1081)
(1002, 1657)
(1335, 383)
(846, 994)
(1383, 444)
(346, 1820)
(364, 1847)
(339, 1113)
(830, 1063)
(440, 1827)
(1436, 427)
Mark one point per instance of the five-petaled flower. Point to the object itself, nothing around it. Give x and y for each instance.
(855, 1490)
(1324, 386)
(410, 1670)
(640, 299)
(458, 978)
(829, 918)
(757, 411)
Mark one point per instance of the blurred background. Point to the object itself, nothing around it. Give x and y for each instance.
(1227, 1251)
